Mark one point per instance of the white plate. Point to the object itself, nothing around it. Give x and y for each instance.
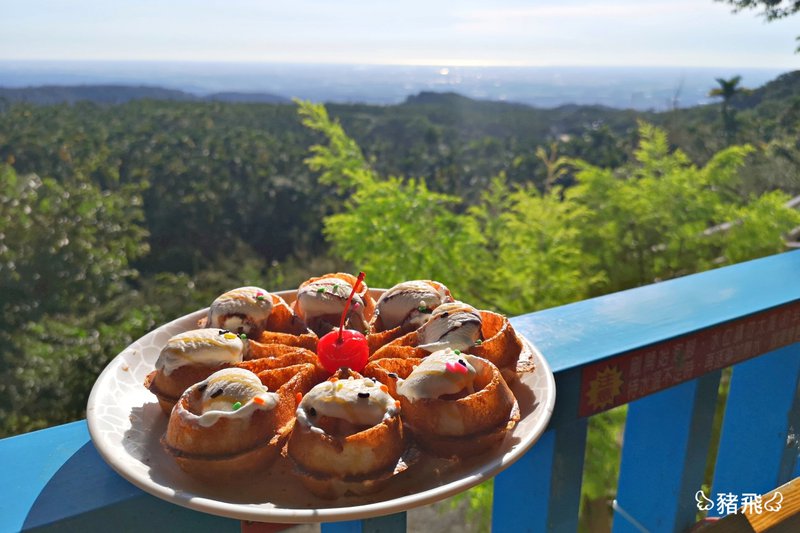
(126, 424)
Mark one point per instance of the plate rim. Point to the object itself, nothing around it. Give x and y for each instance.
(253, 512)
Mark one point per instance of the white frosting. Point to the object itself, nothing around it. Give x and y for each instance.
(240, 309)
(400, 304)
(443, 372)
(361, 402)
(204, 347)
(453, 325)
(326, 297)
(223, 390)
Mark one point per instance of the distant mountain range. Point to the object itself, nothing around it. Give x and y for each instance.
(641, 88)
(784, 87)
(119, 94)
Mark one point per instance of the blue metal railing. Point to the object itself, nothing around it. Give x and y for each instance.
(681, 332)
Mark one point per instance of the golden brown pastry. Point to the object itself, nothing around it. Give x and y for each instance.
(262, 317)
(242, 310)
(460, 326)
(230, 423)
(320, 303)
(453, 403)
(190, 357)
(348, 436)
(404, 308)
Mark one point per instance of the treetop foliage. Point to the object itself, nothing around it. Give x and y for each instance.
(771, 9)
(520, 249)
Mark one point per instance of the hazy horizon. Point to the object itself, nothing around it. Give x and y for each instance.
(641, 88)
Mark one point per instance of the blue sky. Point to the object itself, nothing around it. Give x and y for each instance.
(414, 32)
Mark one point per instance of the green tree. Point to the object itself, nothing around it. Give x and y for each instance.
(727, 90)
(65, 252)
(416, 229)
(557, 167)
(771, 9)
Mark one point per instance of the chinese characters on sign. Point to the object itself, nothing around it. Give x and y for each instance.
(727, 503)
(642, 372)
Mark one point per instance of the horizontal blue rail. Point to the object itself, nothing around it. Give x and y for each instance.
(54, 478)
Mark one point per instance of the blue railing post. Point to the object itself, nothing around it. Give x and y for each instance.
(664, 455)
(758, 449)
(551, 475)
(393, 523)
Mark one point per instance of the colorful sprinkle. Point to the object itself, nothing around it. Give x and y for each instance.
(216, 393)
(363, 395)
(229, 335)
(392, 375)
(457, 352)
(462, 363)
(298, 397)
(260, 297)
(397, 403)
(312, 411)
(422, 308)
(259, 400)
(202, 387)
(455, 368)
(334, 378)
(478, 342)
(243, 336)
(321, 289)
(236, 405)
(223, 331)
(384, 388)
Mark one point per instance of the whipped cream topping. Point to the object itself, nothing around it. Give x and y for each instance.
(453, 325)
(361, 402)
(443, 372)
(240, 309)
(327, 297)
(205, 347)
(410, 302)
(231, 393)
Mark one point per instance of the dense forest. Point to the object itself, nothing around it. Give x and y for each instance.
(116, 218)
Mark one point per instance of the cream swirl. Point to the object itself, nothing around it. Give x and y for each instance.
(410, 302)
(241, 309)
(204, 347)
(441, 373)
(453, 325)
(323, 300)
(361, 402)
(231, 393)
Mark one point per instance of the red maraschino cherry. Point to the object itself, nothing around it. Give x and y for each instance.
(344, 347)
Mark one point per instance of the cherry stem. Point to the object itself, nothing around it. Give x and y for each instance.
(360, 278)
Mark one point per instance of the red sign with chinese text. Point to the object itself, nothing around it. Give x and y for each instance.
(622, 379)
